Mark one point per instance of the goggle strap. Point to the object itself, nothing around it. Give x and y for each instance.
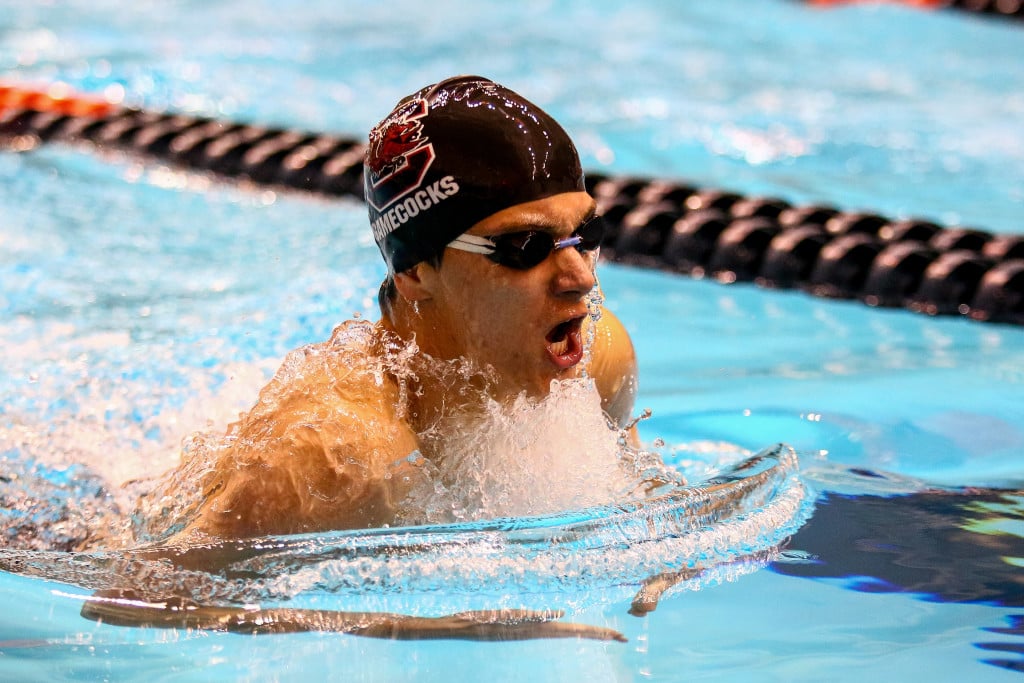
(570, 241)
(472, 244)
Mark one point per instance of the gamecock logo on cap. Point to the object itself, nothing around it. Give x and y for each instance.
(399, 156)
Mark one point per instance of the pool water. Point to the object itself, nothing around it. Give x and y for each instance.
(141, 304)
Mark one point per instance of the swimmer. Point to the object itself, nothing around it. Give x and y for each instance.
(477, 203)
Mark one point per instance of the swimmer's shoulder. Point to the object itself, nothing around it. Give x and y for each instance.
(614, 367)
(617, 341)
(316, 452)
(345, 370)
(340, 388)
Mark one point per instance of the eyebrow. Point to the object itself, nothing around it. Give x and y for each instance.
(539, 222)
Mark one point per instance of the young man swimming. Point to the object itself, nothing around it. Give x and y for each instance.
(477, 203)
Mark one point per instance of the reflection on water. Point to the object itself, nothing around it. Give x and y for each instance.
(957, 546)
(953, 546)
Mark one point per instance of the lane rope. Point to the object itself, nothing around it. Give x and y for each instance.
(1012, 9)
(679, 227)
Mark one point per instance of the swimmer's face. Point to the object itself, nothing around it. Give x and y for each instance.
(525, 324)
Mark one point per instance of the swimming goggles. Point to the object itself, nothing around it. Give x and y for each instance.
(524, 250)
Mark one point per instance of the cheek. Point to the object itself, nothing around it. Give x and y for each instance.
(495, 314)
(501, 320)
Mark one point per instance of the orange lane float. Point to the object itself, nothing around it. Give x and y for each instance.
(1002, 8)
(915, 3)
(56, 99)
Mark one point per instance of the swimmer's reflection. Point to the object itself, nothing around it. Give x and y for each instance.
(123, 608)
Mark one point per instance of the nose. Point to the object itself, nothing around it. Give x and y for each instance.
(574, 275)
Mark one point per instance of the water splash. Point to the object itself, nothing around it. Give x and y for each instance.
(528, 458)
(715, 532)
(535, 498)
(595, 304)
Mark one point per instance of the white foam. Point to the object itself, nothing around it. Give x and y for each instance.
(529, 458)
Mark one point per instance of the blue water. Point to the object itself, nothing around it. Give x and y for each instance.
(139, 304)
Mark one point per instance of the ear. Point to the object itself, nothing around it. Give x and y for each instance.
(416, 284)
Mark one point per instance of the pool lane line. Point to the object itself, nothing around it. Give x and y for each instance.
(58, 99)
(674, 226)
(1009, 9)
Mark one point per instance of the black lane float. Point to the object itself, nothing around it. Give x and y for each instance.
(670, 225)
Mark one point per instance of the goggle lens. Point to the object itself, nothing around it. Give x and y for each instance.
(525, 250)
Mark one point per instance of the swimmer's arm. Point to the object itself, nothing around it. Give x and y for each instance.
(312, 477)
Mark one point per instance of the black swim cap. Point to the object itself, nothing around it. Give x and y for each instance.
(454, 153)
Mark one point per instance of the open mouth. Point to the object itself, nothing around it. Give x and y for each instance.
(565, 343)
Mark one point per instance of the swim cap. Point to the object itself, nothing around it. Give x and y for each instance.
(454, 153)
